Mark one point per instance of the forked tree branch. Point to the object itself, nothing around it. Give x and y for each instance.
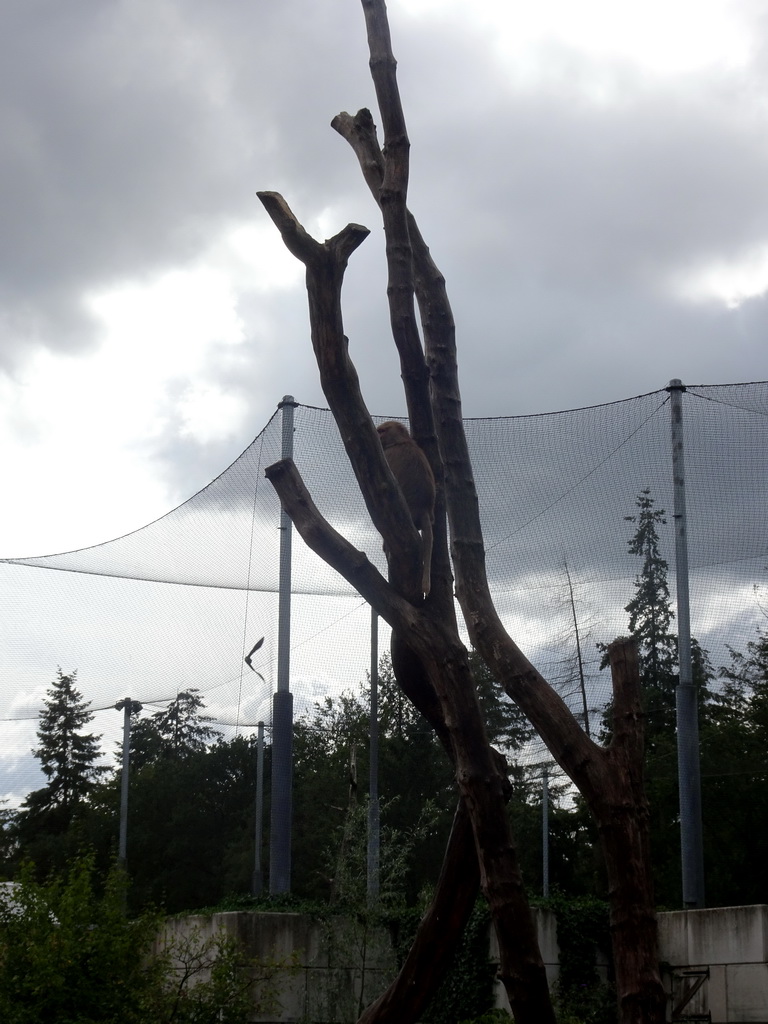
(325, 264)
(433, 639)
(551, 718)
(318, 534)
(432, 392)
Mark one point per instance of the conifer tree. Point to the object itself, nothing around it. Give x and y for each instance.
(650, 610)
(176, 731)
(651, 618)
(67, 755)
(183, 726)
(52, 823)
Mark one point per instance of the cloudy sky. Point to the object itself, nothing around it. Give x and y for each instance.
(591, 182)
(590, 178)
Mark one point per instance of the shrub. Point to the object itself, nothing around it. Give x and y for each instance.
(69, 954)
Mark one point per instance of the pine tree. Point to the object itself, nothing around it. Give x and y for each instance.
(651, 619)
(734, 793)
(67, 755)
(53, 823)
(175, 731)
(650, 610)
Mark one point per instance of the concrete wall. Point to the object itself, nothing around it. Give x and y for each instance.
(727, 950)
(319, 971)
(546, 928)
(724, 951)
(328, 970)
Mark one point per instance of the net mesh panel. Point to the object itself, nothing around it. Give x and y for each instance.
(179, 602)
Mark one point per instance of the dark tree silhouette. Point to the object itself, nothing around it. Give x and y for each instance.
(430, 661)
(67, 755)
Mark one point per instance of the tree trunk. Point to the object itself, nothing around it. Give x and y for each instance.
(440, 657)
(610, 779)
(439, 932)
(624, 829)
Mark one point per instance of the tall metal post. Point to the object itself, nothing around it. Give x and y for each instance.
(257, 883)
(545, 833)
(688, 767)
(374, 825)
(282, 701)
(128, 707)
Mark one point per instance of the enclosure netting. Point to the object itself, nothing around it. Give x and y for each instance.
(177, 604)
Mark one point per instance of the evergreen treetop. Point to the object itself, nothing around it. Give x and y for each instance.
(650, 610)
(67, 755)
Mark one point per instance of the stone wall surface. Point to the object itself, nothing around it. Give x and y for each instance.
(317, 970)
(327, 970)
(723, 951)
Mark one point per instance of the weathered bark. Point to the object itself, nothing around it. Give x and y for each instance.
(482, 783)
(614, 794)
(438, 935)
(624, 829)
(610, 779)
(431, 628)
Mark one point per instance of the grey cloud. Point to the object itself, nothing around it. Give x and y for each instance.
(130, 135)
(134, 134)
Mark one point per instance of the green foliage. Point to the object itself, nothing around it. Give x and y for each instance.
(575, 864)
(594, 1005)
(52, 824)
(468, 987)
(7, 822)
(67, 755)
(176, 731)
(190, 826)
(192, 801)
(581, 996)
(348, 857)
(69, 954)
(213, 981)
(650, 610)
(734, 738)
(650, 622)
(331, 771)
(506, 725)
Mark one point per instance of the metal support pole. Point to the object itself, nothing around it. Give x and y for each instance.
(545, 833)
(688, 767)
(374, 825)
(257, 883)
(282, 702)
(128, 707)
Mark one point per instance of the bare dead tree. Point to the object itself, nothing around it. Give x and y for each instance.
(429, 659)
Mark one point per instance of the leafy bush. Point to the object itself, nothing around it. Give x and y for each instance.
(468, 987)
(69, 954)
(581, 996)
